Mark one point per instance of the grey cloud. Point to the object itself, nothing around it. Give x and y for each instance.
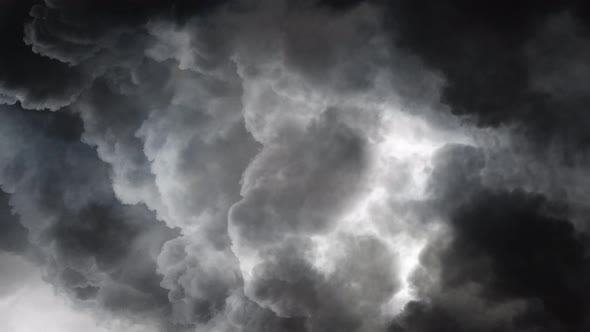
(348, 299)
(167, 127)
(289, 196)
(317, 191)
(199, 276)
(505, 249)
(97, 249)
(268, 165)
(493, 63)
(16, 273)
(34, 81)
(13, 236)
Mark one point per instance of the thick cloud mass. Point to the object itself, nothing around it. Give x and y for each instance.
(296, 166)
(503, 61)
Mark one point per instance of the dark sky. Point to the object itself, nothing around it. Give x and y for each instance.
(294, 166)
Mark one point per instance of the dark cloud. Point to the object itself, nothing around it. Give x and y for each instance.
(13, 236)
(35, 81)
(291, 287)
(269, 165)
(95, 248)
(483, 52)
(322, 167)
(53, 50)
(513, 262)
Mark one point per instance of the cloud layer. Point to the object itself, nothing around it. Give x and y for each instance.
(316, 165)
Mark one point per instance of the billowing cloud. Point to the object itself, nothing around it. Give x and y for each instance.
(291, 166)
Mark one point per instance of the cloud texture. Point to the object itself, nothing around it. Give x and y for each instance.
(298, 166)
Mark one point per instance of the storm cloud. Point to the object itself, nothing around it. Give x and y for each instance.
(295, 166)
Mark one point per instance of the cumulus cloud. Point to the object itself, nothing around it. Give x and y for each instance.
(317, 165)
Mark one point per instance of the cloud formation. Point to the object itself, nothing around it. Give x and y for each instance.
(316, 165)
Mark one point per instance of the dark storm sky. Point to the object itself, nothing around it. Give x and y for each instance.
(283, 165)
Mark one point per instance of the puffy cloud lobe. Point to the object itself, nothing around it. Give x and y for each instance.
(199, 276)
(349, 298)
(67, 44)
(33, 80)
(97, 249)
(297, 187)
(490, 68)
(300, 183)
(146, 169)
(512, 262)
